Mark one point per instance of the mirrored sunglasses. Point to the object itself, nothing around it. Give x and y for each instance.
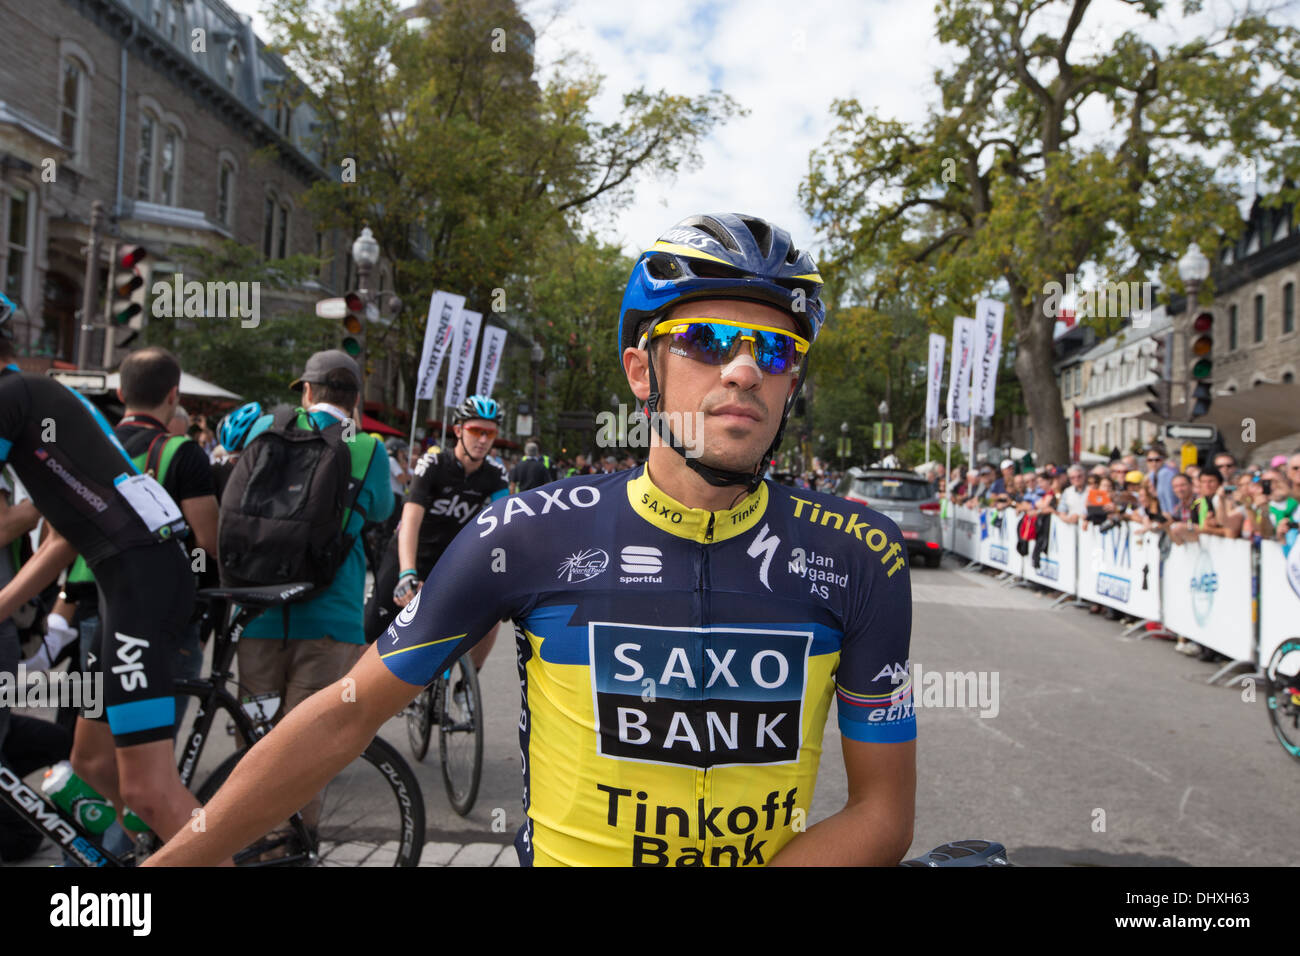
(717, 341)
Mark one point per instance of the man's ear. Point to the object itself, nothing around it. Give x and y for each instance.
(637, 368)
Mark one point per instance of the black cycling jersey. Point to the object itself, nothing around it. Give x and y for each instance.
(450, 498)
(529, 474)
(190, 473)
(64, 451)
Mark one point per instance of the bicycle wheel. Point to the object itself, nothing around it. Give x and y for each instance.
(419, 722)
(1283, 679)
(370, 814)
(460, 734)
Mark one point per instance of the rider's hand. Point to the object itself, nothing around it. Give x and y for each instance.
(406, 589)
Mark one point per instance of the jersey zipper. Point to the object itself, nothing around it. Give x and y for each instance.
(703, 782)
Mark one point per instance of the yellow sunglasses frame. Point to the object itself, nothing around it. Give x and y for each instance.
(670, 326)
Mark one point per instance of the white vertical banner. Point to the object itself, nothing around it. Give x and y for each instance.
(462, 356)
(963, 339)
(934, 381)
(444, 311)
(494, 344)
(987, 355)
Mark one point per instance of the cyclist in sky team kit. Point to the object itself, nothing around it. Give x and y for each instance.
(681, 628)
(127, 528)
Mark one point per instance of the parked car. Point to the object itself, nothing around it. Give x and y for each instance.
(905, 498)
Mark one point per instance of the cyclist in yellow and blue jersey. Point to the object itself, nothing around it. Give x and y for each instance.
(681, 628)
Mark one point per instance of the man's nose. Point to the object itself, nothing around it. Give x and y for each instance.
(743, 370)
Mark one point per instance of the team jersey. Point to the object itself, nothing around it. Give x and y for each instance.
(676, 665)
(450, 498)
(65, 452)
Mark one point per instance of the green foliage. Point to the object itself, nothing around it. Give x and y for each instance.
(472, 174)
(999, 190)
(259, 362)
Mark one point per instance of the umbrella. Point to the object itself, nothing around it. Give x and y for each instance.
(191, 385)
(375, 425)
(1274, 410)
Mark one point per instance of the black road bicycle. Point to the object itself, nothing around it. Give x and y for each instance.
(453, 702)
(1283, 695)
(370, 814)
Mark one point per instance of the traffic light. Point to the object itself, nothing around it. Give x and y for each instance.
(1159, 389)
(1202, 363)
(128, 292)
(354, 325)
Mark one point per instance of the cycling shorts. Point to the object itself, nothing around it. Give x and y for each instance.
(146, 598)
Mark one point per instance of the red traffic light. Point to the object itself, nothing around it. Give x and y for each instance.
(131, 256)
(354, 302)
(1203, 322)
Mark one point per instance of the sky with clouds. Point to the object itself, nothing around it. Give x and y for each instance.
(785, 62)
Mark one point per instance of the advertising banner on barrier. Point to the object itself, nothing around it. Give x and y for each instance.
(1121, 569)
(1279, 604)
(945, 531)
(997, 546)
(1058, 564)
(965, 532)
(1207, 595)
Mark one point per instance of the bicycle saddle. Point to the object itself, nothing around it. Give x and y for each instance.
(964, 853)
(264, 596)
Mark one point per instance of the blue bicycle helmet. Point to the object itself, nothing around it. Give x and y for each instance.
(723, 256)
(232, 433)
(478, 406)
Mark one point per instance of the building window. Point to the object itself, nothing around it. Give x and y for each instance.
(282, 243)
(16, 245)
(1288, 378)
(144, 158)
(1288, 308)
(225, 192)
(175, 20)
(72, 110)
(1108, 434)
(1259, 318)
(1078, 379)
(1092, 436)
(234, 58)
(1232, 328)
(167, 167)
(268, 226)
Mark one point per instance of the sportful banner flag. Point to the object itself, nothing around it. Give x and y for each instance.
(444, 315)
(934, 383)
(963, 340)
(462, 356)
(987, 355)
(494, 343)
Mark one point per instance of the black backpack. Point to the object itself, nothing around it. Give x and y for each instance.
(284, 505)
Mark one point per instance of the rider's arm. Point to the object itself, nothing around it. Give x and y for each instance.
(54, 554)
(16, 519)
(288, 766)
(201, 515)
(875, 826)
(408, 534)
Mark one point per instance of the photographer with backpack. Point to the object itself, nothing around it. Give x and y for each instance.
(292, 510)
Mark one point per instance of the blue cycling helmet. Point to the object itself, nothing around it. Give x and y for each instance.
(478, 406)
(722, 256)
(232, 433)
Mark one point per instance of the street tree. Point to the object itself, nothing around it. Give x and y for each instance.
(1004, 188)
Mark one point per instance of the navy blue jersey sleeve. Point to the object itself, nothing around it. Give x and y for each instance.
(466, 594)
(873, 685)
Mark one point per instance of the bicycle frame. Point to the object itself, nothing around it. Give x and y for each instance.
(54, 822)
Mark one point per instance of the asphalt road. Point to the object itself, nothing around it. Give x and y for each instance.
(1097, 750)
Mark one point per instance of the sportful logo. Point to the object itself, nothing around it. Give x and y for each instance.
(722, 696)
(583, 566)
(1204, 583)
(641, 565)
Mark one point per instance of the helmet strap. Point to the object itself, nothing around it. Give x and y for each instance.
(718, 477)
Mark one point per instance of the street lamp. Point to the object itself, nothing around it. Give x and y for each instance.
(844, 441)
(365, 253)
(1193, 269)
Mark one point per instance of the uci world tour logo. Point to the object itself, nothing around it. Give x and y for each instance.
(583, 565)
(1204, 583)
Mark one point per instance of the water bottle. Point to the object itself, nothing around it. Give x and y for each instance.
(132, 823)
(69, 792)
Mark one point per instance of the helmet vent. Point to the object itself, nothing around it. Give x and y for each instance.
(662, 266)
(762, 233)
(714, 229)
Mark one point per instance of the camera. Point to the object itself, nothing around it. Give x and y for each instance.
(1266, 485)
(1114, 521)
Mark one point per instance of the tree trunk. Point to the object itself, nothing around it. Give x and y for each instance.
(1038, 382)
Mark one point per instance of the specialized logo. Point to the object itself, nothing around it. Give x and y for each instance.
(641, 565)
(766, 545)
(584, 565)
(1204, 583)
(131, 669)
(407, 614)
(698, 697)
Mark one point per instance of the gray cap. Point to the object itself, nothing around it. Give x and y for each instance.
(322, 363)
